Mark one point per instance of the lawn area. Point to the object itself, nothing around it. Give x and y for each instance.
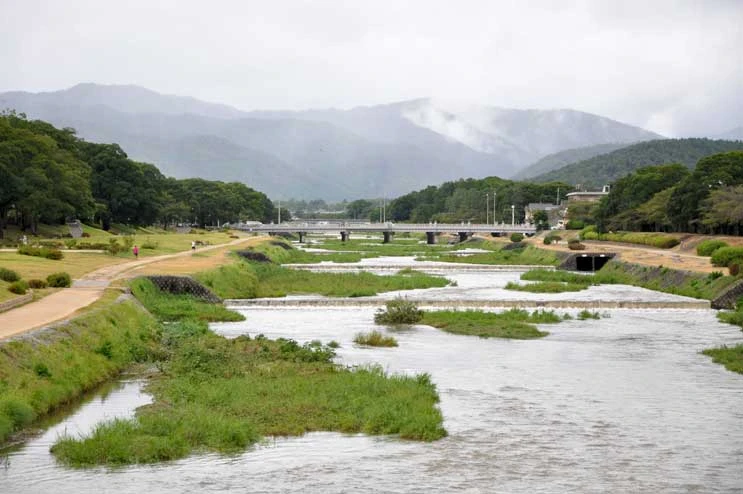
(74, 263)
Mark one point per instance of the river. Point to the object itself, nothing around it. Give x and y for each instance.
(622, 404)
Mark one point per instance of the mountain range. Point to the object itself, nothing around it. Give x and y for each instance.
(368, 151)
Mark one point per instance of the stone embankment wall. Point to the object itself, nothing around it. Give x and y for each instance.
(184, 285)
(15, 302)
(729, 298)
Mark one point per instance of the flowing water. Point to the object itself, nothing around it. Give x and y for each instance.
(622, 404)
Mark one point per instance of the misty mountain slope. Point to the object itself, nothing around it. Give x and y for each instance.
(606, 168)
(123, 98)
(368, 151)
(563, 158)
(735, 134)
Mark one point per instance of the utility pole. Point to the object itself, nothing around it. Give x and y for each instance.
(557, 199)
(487, 208)
(279, 212)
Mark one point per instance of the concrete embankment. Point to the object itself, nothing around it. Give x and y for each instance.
(472, 304)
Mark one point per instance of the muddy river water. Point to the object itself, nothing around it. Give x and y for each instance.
(623, 404)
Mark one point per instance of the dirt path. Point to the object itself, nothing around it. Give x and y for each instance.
(89, 288)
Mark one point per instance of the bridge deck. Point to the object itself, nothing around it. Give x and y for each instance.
(388, 227)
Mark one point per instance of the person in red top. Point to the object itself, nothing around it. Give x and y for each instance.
(135, 251)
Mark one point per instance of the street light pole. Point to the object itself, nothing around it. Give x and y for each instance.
(493, 207)
(513, 215)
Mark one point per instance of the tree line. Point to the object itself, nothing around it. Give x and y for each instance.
(49, 175)
(474, 200)
(671, 198)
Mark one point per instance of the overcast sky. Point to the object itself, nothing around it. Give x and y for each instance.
(675, 67)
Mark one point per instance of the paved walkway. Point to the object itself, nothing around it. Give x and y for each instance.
(84, 291)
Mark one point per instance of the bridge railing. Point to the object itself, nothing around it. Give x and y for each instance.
(391, 227)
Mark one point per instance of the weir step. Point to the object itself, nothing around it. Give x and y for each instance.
(553, 304)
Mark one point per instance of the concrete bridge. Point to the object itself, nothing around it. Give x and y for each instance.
(464, 230)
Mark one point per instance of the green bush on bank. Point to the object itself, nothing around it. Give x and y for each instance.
(59, 280)
(730, 357)
(9, 275)
(57, 366)
(398, 311)
(708, 247)
(724, 256)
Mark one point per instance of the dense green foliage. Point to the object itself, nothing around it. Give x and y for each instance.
(513, 323)
(607, 168)
(466, 200)
(9, 275)
(50, 175)
(398, 311)
(57, 366)
(708, 247)
(616, 211)
(724, 256)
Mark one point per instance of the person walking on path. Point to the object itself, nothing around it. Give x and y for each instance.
(135, 251)
(193, 245)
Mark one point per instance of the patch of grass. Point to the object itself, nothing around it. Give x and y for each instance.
(277, 281)
(513, 323)
(169, 307)
(237, 280)
(222, 395)
(587, 314)
(56, 366)
(527, 255)
(398, 311)
(375, 338)
(546, 287)
(732, 317)
(730, 357)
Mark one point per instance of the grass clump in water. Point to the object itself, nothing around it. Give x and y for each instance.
(223, 395)
(513, 323)
(526, 255)
(398, 311)
(375, 338)
(587, 314)
(730, 357)
(546, 287)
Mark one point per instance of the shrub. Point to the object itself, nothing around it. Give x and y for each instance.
(590, 236)
(734, 268)
(547, 240)
(374, 338)
(9, 275)
(149, 244)
(724, 256)
(49, 253)
(399, 311)
(54, 254)
(517, 237)
(18, 287)
(59, 280)
(113, 247)
(575, 225)
(714, 275)
(41, 370)
(708, 247)
(71, 243)
(35, 283)
(576, 246)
